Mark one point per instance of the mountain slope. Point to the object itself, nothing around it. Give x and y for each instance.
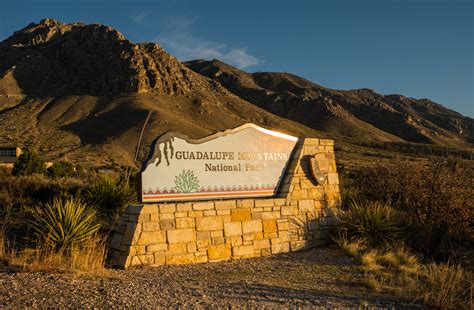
(362, 113)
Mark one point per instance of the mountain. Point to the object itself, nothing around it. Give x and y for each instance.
(83, 92)
(360, 113)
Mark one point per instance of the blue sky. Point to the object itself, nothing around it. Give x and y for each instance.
(418, 48)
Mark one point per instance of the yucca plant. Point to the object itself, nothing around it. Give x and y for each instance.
(110, 197)
(61, 224)
(373, 222)
(186, 182)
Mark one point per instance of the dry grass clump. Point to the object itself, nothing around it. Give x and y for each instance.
(86, 258)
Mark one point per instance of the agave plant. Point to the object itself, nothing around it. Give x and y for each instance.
(60, 224)
(186, 182)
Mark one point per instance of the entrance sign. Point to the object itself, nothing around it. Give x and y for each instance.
(246, 161)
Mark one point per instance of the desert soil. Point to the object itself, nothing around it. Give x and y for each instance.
(321, 277)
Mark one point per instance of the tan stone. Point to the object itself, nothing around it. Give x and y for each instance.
(180, 214)
(333, 178)
(269, 225)
(166, 216)
(203, 243)
(266, 252)
(209, 223)
(184, 222)
(154, 217)
(157, 247)
(177, 248)
(167, 224)
(225, 205)
(181, 235)
(253, 236)
(234, 240)
(137, 249)
(149, 208)
(257, 215)
(217, 233)
(201, 259)
(283, 226)
(151, 237)
(241, 214)
(210, 212)
(311, 141)
(200, 206)
(281, 248)
(220, 251)
(143, 217)
(305, 184)
(271, 215)
(306, 205)
(217, 240)
(245, 203)
(264, 202)
(195, 214)
(243, 250)
(184, 207)
(167, 208)
(159, 259)
(279, 201)
(179, 259)
(191, 247)
(299, 194)
(150, 226)
(223, 212)
(251, 226)
(202, 235)
(326, 142)
(233, 229)
(316, 193)
(261, 244)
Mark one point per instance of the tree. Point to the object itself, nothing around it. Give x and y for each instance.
(28, 163)
(61, 169)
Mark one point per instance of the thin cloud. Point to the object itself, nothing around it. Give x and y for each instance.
(184, 45)
(140, 17)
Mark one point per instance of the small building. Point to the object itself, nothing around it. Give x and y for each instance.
(9, 155)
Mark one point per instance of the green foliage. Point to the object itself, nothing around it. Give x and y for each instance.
(61, 169)
(62, 224)
(28, 163)
(375, 223)
(186, 182)
(110, 197)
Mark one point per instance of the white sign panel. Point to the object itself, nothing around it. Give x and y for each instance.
(246, 161)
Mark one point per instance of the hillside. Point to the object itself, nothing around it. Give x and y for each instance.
(83, 92)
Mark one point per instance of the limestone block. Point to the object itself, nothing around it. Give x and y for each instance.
(151, 226)
(184, 207)
(217, 233)
(225, 204)
(143, 217)
(179, 259)
(181, 235)
(159, 259)
(306, 205)
(269, 225)
(264, 202)
(195, 214)
(210, 212)
(311, 141)
(209, 223)
(167, 216)
(245, 203)
(333, 178)
(221, 251)
(326, 142)
(271, 215)
(281, 248)
(201, 259)
(316, 193)
(241, 214)
(299, 194)
(266, 252)
(203, 243)
(257, 215)
(167, 207)
(282, 226)
(306, 184)
(156, 247)
(131, 234)
(251, 226)
(151, 237)
(200, 206)
(202, 235)
(177, 248)
(191, 247)
(217, 240)
(261, 244)
(279, 201)
(167, 224)
(243, 250)
(154, 217)
(180, 214)
(234, 240)
(184, 222)
(223, 212)
(253, 236)
(233, 229)
(149, 208)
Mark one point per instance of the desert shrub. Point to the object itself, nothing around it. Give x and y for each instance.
(61, 169)
(62, 224)
(28, 163)
(374, 223)
(437, 197)
(446, 286)
(110, 197)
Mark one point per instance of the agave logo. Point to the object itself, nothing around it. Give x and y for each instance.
(186, 182)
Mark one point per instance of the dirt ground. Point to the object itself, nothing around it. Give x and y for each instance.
(322, 277)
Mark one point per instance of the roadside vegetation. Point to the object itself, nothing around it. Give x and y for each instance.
(411, 227)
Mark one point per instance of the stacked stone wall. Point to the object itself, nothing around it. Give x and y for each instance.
(298, 217)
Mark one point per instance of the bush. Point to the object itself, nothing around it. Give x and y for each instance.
(63, 224)
(437, 197)
(28, 163)
(110, 197)
(373, 222)
(61, 169)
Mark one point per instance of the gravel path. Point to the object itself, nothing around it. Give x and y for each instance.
(317, 278)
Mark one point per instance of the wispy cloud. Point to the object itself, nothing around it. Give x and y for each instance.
(181, 42)
(140, 17)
